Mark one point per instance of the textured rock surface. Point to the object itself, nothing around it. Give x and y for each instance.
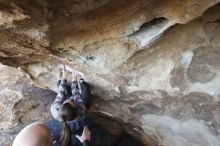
(153, 64)
(20, 102)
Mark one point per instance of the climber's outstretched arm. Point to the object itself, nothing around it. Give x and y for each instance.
(61, 96)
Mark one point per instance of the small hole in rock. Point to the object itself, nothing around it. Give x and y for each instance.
(91, 58)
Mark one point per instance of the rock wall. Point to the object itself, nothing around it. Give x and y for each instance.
(21, 102)
(151, 63)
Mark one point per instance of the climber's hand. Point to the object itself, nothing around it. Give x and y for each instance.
(85, 135)
(64, 72)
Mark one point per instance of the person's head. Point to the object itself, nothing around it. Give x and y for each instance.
(36, 134)
(68, 111)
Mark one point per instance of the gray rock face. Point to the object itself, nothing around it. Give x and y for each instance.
(205, 62)
(154, 65)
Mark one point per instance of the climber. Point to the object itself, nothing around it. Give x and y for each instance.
(38, 134)
(70, 103)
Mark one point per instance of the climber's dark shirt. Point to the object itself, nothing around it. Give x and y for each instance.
(98, 136)
(75, 126)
